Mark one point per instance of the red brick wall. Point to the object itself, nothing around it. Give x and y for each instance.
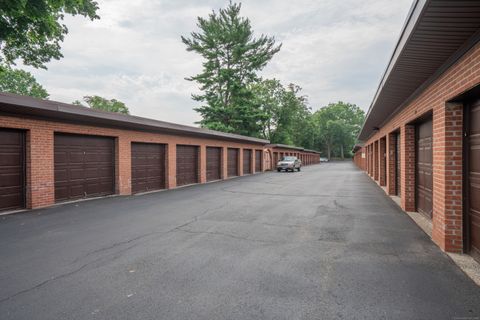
(360, 158)
(391, 163)
(447, 147)
(40, 154)
(382, 162)
(308, 158)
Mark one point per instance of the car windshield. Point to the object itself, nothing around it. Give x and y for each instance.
(289, 158)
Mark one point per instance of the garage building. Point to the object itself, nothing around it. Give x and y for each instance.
(421, 136)
(52, 152)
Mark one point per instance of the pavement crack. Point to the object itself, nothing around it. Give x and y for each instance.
(61, 276)
(196, 218)
(227, 235)
(116, 244)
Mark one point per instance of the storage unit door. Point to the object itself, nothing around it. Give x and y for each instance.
(84, 166)
(473, 207)
(232, 162)
(214, 163)
(187, 165)
(12, 173)
(148, 167)
(258, 160)
(247, 161)
(424, 176)
(398, 172)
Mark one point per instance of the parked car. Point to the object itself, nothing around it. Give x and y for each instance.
(323, 159)
(289, 164)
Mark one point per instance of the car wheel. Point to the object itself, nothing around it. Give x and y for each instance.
(298, 169)
(278, 170)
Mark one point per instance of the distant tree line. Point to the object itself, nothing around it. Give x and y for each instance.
(235, 99)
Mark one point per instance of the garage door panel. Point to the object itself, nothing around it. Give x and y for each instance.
(11, 158)
(12, 173)
(232, 162)
(474, 180)
(424, 178)
(214, 161)
(11, 180)
(148, 167)
(258, 160)
(187, 165)
(247, 161)
(78, 171)
(11, 200)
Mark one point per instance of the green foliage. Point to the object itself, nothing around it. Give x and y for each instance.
(232, 56)
(338, 125)
(285, 117)
(21, 82)
(99, 103)
(234, 99)
(31, 30)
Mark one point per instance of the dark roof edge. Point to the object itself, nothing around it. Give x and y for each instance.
(448, 63)
(58, 110)
(409, 25)
(357, 146)
(285, 146)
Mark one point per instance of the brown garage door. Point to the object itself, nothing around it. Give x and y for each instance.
(397, 165)
(258, 160)
(214, 163)
(232, 162)
(247, 161)
(473, 206)
(424, 168)
(187, 165)
(148, 167)
(12, 173)
(84, 166)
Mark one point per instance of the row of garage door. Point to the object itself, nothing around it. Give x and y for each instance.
(84, 166)
(424, 172)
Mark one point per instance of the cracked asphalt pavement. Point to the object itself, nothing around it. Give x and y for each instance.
(323, 243)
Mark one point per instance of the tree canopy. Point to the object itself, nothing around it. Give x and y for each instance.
(21, 82)
(31, 30)
(236, 99)
(100, 103)
(338, 125)
(232, 57)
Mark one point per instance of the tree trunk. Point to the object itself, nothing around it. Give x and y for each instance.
(341, 152)
(328, 150)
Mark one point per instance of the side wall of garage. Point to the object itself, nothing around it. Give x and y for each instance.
(427, 159)
(39, 154)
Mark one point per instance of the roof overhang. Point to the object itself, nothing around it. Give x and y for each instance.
(436, 34)
(287, 147)
(357, 147)
(16, 105)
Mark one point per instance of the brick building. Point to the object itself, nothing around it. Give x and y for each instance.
(53, 152)
(421, 137)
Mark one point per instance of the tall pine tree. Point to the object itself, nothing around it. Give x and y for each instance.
(232, 58)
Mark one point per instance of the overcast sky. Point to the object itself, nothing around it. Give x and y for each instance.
(335, 50)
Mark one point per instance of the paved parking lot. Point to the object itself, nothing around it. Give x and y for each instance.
(323, 243)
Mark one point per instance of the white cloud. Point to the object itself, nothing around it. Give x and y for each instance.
(335, 50)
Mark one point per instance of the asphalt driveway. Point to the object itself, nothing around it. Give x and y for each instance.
(324, 243)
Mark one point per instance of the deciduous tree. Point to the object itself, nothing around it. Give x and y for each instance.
(32, 30)
(100, 103)
(21, 82)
